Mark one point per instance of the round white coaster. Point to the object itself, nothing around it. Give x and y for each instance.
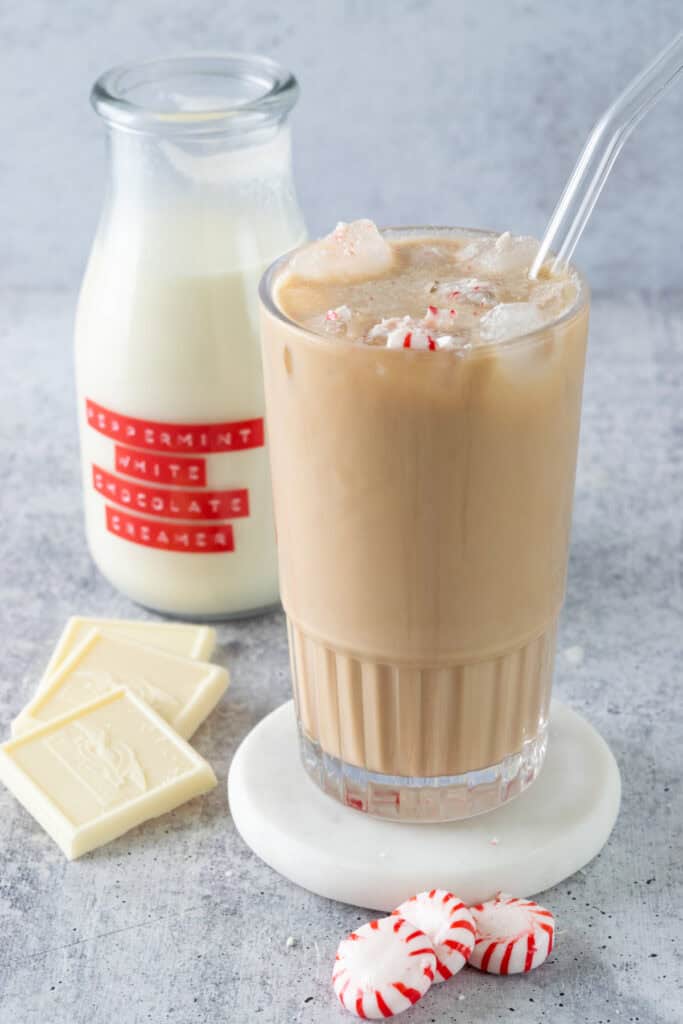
(555, 827)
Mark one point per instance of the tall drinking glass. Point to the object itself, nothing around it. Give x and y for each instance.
(423, 507)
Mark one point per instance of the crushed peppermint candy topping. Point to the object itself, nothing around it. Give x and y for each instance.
(407, 332)
(404, 332)
(341, 313)
(385, 327)
(418, 338)
(440, 318)
(467, 289)
(337, 320)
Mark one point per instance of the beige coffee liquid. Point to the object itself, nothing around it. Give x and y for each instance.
(423, 472)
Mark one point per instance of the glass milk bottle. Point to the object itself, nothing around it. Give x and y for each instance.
(200, 199)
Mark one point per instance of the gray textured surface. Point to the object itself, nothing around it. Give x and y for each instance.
(178, 921)
(440, 111)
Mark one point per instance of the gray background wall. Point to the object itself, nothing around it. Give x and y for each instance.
(411, 111)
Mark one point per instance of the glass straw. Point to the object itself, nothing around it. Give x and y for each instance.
(601, 150)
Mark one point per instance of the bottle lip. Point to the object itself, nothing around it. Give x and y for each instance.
(196, 94)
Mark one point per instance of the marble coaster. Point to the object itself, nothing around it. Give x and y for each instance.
(530, 844)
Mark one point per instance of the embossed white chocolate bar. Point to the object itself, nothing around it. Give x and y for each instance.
(176, 637)
(181, 690)
(95, 773)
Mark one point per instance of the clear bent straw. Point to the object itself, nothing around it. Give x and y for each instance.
(601, 150)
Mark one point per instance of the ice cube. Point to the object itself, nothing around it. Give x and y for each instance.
(506, 254)
(350, 252)
(511, 320)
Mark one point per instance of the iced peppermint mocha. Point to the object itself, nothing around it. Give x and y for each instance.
(423, 503)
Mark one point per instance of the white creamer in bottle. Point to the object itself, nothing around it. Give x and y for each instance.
(170, 394)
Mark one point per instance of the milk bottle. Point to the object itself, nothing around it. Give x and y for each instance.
(170, 397)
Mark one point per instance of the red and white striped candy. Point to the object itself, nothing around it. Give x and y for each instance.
(383, 968)
(513, 935)
(417, 338)
(448, 923)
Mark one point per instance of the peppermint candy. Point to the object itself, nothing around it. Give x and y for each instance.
(440, 318)
(342, 314)
(337, 320)
(449, 925)
(386, 966)
(417, 338)
(407, 332)
(403, 332)
(383, 968)
(513, 935)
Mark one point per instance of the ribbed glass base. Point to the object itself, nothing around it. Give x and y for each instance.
(439, 798)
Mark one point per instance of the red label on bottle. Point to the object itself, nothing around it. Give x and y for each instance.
(175, 437)
(164, 469)
(152, 533)
(169, 503)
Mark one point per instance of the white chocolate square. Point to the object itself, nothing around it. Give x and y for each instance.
(181, 690)
(95, 773)
(182, 638)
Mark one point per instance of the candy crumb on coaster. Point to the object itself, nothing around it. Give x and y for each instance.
(512, 935)
(383, 968)
(448, 924)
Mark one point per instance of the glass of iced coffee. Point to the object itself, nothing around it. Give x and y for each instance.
(423, 400)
